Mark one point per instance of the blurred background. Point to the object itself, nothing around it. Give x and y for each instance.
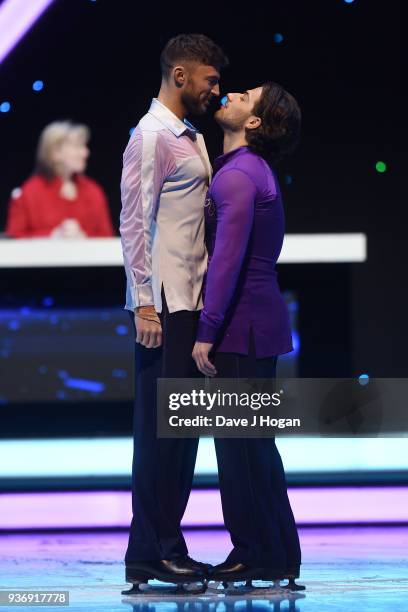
(66, 347)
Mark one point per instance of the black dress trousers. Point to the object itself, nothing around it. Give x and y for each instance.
(255, 503)
(163, 469)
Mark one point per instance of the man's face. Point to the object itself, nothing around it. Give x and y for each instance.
(238, 109)
(201, 87)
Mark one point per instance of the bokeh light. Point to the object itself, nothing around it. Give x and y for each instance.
(363, 379)
(381, 166)
(38, 85)
(5, 107)
(48, 301)
(278, 38)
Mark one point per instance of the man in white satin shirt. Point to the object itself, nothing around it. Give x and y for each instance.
(166, 173)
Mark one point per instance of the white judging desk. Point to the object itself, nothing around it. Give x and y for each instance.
(51, 253)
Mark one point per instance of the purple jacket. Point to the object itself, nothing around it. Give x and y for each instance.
(244, 235)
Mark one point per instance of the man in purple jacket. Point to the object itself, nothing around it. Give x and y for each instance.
(245, 322)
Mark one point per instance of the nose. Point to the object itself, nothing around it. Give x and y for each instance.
(216, 90)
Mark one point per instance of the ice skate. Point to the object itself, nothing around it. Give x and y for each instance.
(182, 576)
(291, 576)
(228, 574)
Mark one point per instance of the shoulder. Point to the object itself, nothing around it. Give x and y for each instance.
(88, 183)
(259, 172)
(31, 186)
(146, 140)
(232, 184)
(90, 186)
(254, 165)
(235, 174)
(149, 123)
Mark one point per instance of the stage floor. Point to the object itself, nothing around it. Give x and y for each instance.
(343, 569)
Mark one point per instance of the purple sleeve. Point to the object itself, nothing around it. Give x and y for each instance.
(234, 196)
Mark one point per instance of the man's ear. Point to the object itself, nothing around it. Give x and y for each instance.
(253, 122)
(179, 76)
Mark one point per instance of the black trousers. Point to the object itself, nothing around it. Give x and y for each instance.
(163, 469)
(255, 503)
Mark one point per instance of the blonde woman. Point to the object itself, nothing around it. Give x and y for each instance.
(59, 201)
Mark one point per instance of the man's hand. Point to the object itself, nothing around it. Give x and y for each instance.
(200, 356)
(148, 327)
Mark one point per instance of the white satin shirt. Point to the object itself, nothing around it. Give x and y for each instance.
(166, 173)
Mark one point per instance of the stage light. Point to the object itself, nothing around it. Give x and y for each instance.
(93, 386)
(381, 166)
(363, 379)
(119, 373)
(5, 107)
(48, 301)
(132, 129)
(288, 179)
(295, 342)
(16, 18)
(38, 85)
(278, 38)
(324, 505)
(122, 330)
(93, 457)
(348, 1)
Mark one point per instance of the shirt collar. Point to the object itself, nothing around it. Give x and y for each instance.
(223, 159)
(171, 121)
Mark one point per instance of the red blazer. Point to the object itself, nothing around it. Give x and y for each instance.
(37, 208)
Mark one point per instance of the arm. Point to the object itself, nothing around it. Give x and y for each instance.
(18, 219)
(235, 194)
(146, 163)
(17, 225)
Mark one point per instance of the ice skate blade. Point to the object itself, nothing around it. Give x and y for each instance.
(144, 589)
(293, 586)
(239, 588)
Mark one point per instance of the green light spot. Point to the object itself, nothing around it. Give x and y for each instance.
(381, 166)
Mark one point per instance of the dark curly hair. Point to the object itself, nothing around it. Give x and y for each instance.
(193, 47)
(279, 132)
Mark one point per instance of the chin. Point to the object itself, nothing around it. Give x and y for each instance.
(222, 121)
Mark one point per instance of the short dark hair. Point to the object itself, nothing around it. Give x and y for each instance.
(279, 133)
(193, 47)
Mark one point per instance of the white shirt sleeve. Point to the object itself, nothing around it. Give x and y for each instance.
(147, 162)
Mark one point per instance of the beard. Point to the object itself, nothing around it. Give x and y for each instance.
(227, 123)
(194, 103)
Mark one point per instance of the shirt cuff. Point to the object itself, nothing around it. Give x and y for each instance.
(206, 333)
(139, 295)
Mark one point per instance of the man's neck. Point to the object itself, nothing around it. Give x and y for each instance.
(172, 102)
(234, 140)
